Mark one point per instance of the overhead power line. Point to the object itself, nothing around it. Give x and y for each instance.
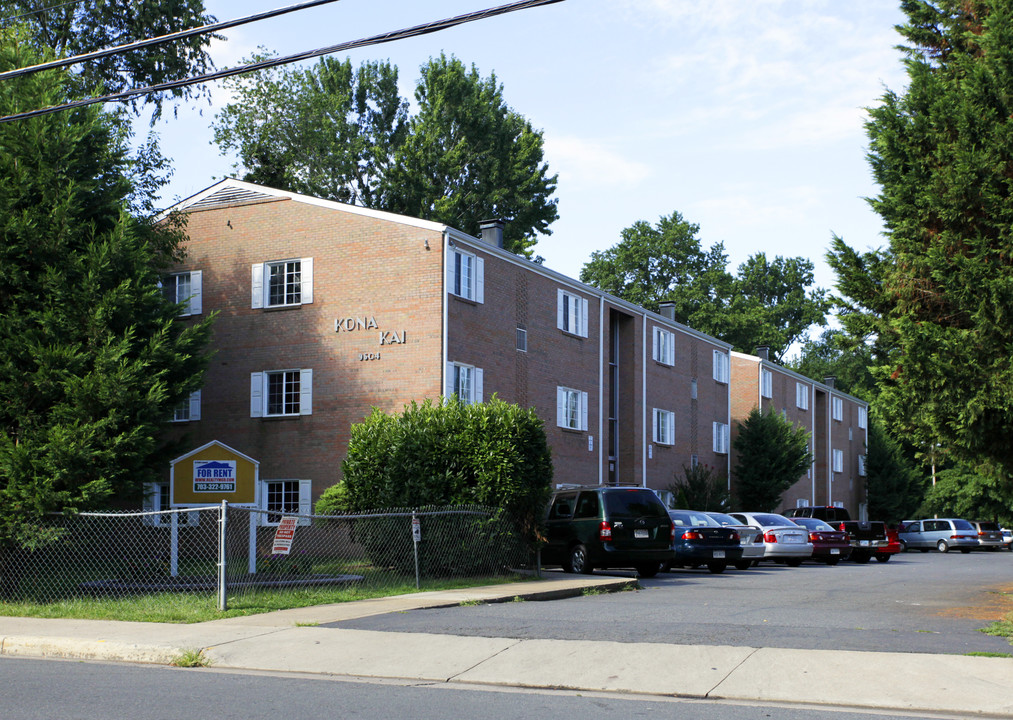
(414, 31)
(40, 11)
(119, 49)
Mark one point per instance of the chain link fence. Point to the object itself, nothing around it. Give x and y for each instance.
(223, 554)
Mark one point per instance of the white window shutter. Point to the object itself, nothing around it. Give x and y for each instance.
(717, 366)
(306, 392)
(451, 271)
(584, 305)
(479, 280)
(654, 426)
(583, 411)
(256, 394)
(305, 502)
(306, 280)
(716, 440)
(195, 405)
(657, 344)
(257, 285)
(196, 290)
(560, 407)
(560, 301)
(670, 347)
(448, 389)
(478, 385)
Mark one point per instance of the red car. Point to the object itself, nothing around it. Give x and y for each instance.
(829, 545)
(892, 547)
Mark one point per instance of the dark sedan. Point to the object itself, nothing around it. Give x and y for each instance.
(701, 540)
(829, 545)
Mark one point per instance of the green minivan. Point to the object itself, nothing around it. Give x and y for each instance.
(608, 527)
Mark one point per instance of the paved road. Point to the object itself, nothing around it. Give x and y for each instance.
(917, 602)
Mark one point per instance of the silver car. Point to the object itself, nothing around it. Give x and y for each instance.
(750, 538)
(783, 540)
(943, 534)
(989, 535)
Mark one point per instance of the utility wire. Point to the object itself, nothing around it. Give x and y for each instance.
(40, 10)
(98, 54)
(414, 31)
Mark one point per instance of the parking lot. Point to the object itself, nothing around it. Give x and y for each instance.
(917, 602)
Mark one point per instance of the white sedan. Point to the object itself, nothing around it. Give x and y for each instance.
(783, 540)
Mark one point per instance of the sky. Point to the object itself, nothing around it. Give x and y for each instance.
(745, 116)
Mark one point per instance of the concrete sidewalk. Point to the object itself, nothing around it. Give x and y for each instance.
(291, 641)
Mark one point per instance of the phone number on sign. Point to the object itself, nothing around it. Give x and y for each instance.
(214, 487)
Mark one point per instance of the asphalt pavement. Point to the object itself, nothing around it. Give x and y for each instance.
(310, 640)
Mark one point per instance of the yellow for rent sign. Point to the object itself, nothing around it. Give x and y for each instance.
(212, 473)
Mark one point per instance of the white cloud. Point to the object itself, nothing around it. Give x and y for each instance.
(582, 162)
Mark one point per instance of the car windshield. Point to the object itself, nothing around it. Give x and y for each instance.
(962, 525)
(989, 527)
(770, 519)
(722, 519)
(688, 518)
(636, 503)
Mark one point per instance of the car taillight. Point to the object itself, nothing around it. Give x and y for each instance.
(734, 537)
(605, 530)
(814, 537)
(770, 537)
(692, 535)
(841, 528)
(758, 538)
(671, 532)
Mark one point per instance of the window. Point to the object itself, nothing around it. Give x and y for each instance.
(285, 497)
(861, 465)
(282, 283)
(466, 275)
(720, 438)
(863, 417)
(157, 499)
(189, 409)
(571, 408)
(766, 383)
(664, 427)
(571, 313)
(692, 389)
(281, 393)
(721, 370)
(802, 396)
(664, 346)
(464, 381)
(838, 409)
(838, 461)
(185, 288)
(522, 340)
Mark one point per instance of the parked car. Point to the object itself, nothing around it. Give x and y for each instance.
(989, 535)
(1007, 538)
(702, 540)
(867, 536)
(892, 547)
(608, 527)
(750, 538)
(783, 540)
(829, 545)
(943, 534)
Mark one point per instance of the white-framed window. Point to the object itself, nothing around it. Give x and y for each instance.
(721, 367)
(664, 427)
(571, 313)
(281, 393)
(571, 408)
(720, 432)
(464, 381)
(664, 346)
(766, 383)
(693, 389)
(802, 502)
(802, 396)
(157, 499)
(863, 417)
(285, 497)
(282, 283)
(861, 465)
(188, 410)
(466, 275)
(838, 456)
(694, 461)
(186, 288)
(838, 408)
(522, 339)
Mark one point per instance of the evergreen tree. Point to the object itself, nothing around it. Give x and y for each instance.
(92, 359)
(772, 454)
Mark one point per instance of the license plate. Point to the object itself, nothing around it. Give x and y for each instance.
(719, 553)
(640, 534)
(791, 539)
(835, 551)
(863, 543)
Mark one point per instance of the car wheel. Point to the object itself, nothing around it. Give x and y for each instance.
(578, 560)
(941, 546)
(881, 557)
(833, 560)
(648, 570)
(743, 564)
(793, 562)
(903, 546)
(965, 550)
(860, 558)
(717, 567)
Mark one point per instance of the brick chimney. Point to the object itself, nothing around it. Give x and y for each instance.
(762, 352)
(667, 309)
(492, 231)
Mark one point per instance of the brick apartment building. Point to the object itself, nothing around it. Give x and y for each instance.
(837, 424)
(327, 310)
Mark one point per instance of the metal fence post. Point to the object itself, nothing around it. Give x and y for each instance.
(416, 537)
(223, 599)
